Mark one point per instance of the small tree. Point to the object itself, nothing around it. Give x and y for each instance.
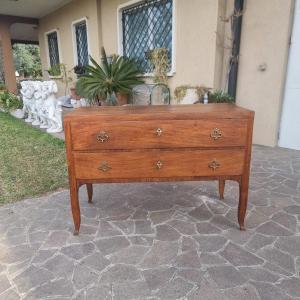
(27, 60)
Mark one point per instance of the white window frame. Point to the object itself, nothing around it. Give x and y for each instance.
(47, 46)
(120, 33)
(75, 53)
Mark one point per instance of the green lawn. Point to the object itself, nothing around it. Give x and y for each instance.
(31, 162)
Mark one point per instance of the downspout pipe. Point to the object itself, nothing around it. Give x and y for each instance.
(234, 61)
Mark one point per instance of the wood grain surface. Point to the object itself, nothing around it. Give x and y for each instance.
(158, 134)
(158, 164)
(159, 143)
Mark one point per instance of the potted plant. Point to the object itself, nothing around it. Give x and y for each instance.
(186, 94)
(10, 103)
(60, 73)
(76, 99)
(79, 70)
(159, 59)
(219, 96)
(111, 82)
(55, 71)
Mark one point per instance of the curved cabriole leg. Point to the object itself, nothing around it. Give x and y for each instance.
(221, 188)
(243, 200)
(75, 208)
(89, 188)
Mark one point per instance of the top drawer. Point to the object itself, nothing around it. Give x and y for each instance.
(158, 134)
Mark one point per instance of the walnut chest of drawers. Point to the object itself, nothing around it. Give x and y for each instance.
(158, 143)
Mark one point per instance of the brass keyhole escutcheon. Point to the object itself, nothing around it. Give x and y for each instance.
(104, 167)
(102, 137)
(216, 134)
(214, 165)
(159, 165)
(159, 131)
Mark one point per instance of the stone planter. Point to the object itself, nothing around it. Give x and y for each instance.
(76, 103)
(190, 97)
(18, 113)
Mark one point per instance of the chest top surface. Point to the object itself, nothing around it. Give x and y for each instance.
(171, 112)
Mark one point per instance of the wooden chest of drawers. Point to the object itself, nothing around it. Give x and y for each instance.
(159, 143)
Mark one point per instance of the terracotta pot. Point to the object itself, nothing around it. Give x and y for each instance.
(74, 94)
(122, 99)
(103, 103)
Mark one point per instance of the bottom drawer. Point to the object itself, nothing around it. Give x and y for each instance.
(158, 164)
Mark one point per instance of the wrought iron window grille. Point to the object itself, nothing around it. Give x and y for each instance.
(53, 48)
(145, 27)
(81, 44)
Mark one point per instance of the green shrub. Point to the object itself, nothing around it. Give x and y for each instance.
(159, 59)
(9, 101)
(2, 87)
(180, 91)
(115, 74)
(55, 70)
(220, 97)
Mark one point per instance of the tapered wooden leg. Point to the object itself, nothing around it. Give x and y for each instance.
(89, 188)
(75, 208)
(243, 200)
(221, 188)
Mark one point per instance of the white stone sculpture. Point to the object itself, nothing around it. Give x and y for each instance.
(38, 102)
(25, 99)
(27, 92)
(32, 86)
(44, 121)
(58, 117)
(54, 109)
(41, 105)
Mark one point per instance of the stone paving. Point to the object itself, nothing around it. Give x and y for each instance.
(159, 240)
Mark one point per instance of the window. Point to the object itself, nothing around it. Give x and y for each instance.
(81, 43)
(147, 26)
(53, 48)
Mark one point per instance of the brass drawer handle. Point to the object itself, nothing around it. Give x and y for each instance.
(159, 131)
(214, 164)
(216, 134)
(104, 167)
(159, 165)
(102, 137)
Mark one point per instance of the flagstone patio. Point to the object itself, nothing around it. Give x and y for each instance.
(159, 241)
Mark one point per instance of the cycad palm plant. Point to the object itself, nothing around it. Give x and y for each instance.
(115, 75)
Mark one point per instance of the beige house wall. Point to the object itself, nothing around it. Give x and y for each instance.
(202, 48)
(265, 41)
(221, 41)
(195, 50)
(195, 39)
(62, 20)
